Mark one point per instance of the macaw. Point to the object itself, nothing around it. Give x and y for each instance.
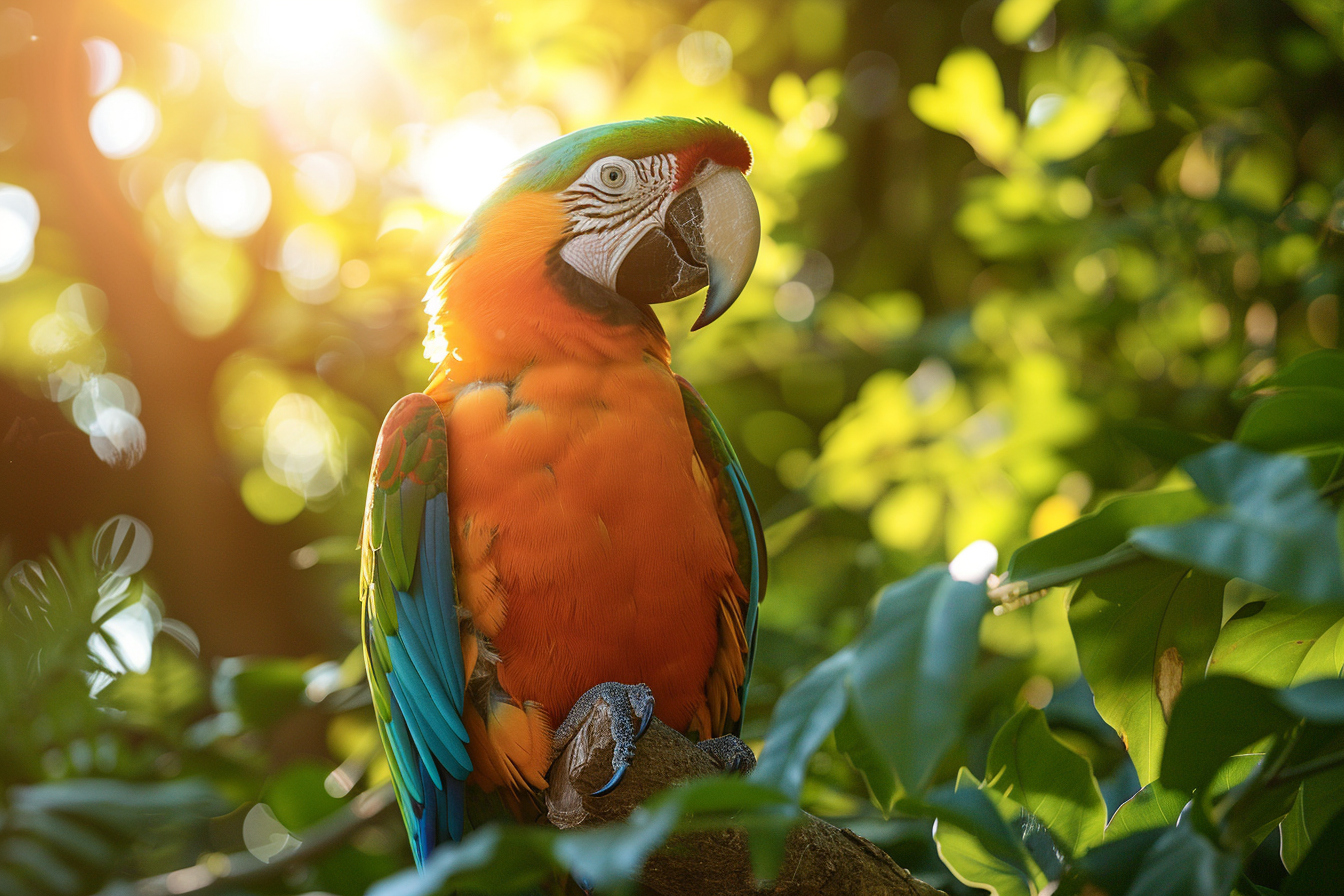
(558, 517)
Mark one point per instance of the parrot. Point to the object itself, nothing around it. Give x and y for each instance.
(559, 518)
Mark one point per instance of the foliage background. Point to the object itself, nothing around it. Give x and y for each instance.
(1019, 257)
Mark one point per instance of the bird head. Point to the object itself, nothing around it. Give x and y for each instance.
(653, 210)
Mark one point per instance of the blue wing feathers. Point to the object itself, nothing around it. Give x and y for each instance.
(426, 735)
(426, 712)
(399, 741)
(437, 572)
(419, 741)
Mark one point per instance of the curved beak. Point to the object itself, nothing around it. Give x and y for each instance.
(732, 237)
(711, 235)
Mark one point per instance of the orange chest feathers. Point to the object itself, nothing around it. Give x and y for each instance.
(586, 534)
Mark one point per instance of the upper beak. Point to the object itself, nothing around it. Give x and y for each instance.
(732, 237)
(711, 235)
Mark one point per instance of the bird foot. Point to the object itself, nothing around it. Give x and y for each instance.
(625, 701)
(730, 754)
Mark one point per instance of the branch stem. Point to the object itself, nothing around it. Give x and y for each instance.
(1062, 575)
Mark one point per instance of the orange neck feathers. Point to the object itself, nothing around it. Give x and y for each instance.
(501, 308)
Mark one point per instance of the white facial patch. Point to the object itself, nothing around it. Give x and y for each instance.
(612, 206)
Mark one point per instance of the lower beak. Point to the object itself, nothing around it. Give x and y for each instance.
(711, 236)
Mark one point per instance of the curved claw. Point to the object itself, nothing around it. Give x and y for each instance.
(644, 723)
(611, 785)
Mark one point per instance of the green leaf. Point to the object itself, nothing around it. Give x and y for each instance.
(801, 720)
(511, 859)
(1213, 720)
(852, 740)
(1234, 771)
(472, 865)
(263, 690)
(1271, 528)
(298, 794)
(905, 679)
(1144, 632)
(912, 668)
(1102, 531)
(1112, 866)
(1321, 702)
(973, 865)
(1319, 368)
(1269, 643)
(1183, 862)
(975, 842)
(1027, 765)
(1319, 799)
(1154, 806)
(1322, 868)
(1161, 441)
(1311, 417)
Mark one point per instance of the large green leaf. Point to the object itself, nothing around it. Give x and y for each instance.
(1111, 867)
(801, 721)
(1154, 806)
(1270, 528)
(1102, 531)
(1319, 368)
(1269, 643)
(1212, 721)
(974, 840)
(1322, 868)
(1027, 765)
(1144, 632)
(905, 678)
(1183, 862)
(1310, 417)
(912, 668)
(852, 739)
(1319, 799)
(1170, 861)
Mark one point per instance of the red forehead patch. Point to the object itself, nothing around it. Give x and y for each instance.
(730, 150)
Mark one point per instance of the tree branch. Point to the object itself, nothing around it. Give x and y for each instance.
(820, 859)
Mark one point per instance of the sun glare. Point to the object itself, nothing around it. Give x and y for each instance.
(304, 35)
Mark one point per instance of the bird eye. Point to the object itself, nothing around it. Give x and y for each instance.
(613, 177)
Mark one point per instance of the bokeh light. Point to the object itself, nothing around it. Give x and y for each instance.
(326, 180)
(310, 261)
(303, 450)
(459, 164)
(104, 65)
(229, 199)
(106, 409)
(305, 35)
(462, 164)
(212, 282)
(123, 123)
(704, 57)
(19, 217)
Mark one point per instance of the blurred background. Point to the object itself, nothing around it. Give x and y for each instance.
(1011, 249)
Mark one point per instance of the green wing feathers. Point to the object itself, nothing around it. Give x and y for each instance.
(744, 522)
